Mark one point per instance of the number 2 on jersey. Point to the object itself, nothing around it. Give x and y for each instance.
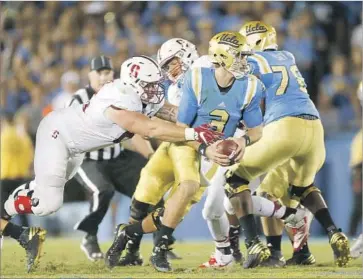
(285, 78)
(223, 116)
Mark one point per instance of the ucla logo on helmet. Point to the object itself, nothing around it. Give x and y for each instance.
(229, 40)
(253, 29)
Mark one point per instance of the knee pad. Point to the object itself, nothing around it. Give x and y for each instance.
(300, 193)
(228, 206)
(157, 216)
(235, 185)
(139, 210)
(19, 201)
(213, 212)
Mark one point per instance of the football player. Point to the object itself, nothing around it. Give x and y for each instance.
(209, 96)
(120, 109)
(175, 57)
(356, 159)
(31, 239)
(293, 136)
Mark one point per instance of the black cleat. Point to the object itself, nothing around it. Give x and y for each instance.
(131, 259)
(159, 259)
(275, 260)
(234, 240)
(32, 240)
(300, 258)
(112, 257)
(257, 252)
(91, 248)
(339, 243)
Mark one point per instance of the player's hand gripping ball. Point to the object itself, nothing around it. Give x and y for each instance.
(227, 147)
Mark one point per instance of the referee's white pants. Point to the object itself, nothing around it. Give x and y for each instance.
(53, 167)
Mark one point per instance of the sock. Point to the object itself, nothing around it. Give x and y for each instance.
(164, 236)
(249, 227)
(304, 250)
(134, 230)
(274, 242)
(324, 218)
(234, 231)
(288, 212)
(12, 230)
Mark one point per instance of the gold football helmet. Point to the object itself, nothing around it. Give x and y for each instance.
(259, 35)
(230, 50)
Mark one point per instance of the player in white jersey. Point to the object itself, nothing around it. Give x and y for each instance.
(119, 110)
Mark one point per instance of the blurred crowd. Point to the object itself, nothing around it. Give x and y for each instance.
(46, 46)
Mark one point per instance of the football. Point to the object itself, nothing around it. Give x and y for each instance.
(226, 147)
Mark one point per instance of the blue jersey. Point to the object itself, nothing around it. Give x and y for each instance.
(286, 93)
(203, 102)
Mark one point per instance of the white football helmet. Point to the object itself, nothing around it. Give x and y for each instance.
(143, 75)
(180, 48)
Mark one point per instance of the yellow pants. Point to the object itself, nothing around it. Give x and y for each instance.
(294, 144)
(172, 164)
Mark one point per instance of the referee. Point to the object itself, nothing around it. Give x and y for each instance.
(105, 170)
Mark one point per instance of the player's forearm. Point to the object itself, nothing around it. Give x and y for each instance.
(168, 112)
(167, 132)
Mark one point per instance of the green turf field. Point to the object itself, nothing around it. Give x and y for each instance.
(62, 258)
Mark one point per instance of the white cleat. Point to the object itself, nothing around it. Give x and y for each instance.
(357, 248)
(218, 260)
(300, 226)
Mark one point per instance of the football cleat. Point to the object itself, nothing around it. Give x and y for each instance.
(257, 252)
(300, 258)
(234, 240)
(32, 240)
(218, 260)
(275, 260)
(159, 258)
(131, 259)
(339, 243)
(357, 248)
(113, 254)
(91, 248)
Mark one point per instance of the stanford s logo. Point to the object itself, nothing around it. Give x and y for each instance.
(135, 70)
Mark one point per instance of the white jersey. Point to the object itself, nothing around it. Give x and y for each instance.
(175, 91)
(85, 127)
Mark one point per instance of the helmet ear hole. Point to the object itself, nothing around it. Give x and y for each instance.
(258, 42)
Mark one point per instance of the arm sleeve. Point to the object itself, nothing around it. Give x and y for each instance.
(252, 115)
(261, 69)
(188, 105)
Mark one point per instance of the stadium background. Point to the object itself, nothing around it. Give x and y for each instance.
(46, 48)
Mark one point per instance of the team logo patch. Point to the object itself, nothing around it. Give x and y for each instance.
(135, 70)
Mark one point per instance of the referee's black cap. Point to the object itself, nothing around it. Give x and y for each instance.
(101, 62)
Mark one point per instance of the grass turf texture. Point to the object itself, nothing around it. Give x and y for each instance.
(62, 258)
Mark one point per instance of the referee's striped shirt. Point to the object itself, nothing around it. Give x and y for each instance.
(82, 96)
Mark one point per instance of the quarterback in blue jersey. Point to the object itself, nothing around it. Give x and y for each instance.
(223, 96)
(293, 136)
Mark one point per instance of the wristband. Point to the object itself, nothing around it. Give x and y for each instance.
(248, 140)
(202, 149)
(189, 134)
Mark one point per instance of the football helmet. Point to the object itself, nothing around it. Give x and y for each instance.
(143, 75)
(230, 50)
(259, 35)
(180, 48)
